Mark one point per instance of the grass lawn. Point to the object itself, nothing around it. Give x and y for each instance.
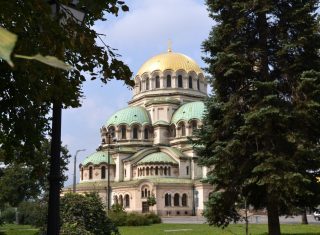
(203, 229)
(13, 229)
(185, 229)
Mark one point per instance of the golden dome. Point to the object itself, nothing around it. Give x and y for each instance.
(169, 60)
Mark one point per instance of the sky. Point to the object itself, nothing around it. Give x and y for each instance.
(139, 34)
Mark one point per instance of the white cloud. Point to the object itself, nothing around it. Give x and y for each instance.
(139, 34)
(150, 23)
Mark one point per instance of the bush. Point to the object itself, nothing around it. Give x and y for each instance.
(86, 212)
(121, 218)
(8, 215)
(155, 219)
(135, 219)
(33, 213)
(118, 218)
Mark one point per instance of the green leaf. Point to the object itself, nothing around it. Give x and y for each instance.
(49, 60)
(7, 42)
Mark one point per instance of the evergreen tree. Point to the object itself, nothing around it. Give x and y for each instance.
(261, 129)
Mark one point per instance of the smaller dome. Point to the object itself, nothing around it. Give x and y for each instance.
(157, 158)
(97, 158)
(129, 116)
(189, 111)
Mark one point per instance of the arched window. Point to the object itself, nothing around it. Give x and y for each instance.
(169, 170)
(173, 131)
(167, 199)
(161, 170)
(190, 82)
(140, 85)
(90, 172)
(123, 132)
(115, 200)
(183, 129)
(180, 84)
(103, 172)
(168, 81)
(121, 200)
(157, 82)
(156, 170)
(147, 170)
(184, 199)
(112, 131)
(198, 84)
(135, 132)
(142, 193)
(165, 171)
(194, 125)
(146, 133)
(147, 84)
(176, 199)
(81, 173)
(126, 201)
(187, 170)
(146, 192)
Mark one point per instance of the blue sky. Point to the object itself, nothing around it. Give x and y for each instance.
(138, 35)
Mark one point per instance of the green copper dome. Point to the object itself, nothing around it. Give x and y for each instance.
(129, 116)
(97, 158)
(188, 111)
(158, 157)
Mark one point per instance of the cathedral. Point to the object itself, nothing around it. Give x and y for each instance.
(145, 150)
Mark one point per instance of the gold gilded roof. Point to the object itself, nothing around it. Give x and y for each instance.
(169, 60)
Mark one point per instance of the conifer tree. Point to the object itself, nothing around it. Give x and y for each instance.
(261, 129)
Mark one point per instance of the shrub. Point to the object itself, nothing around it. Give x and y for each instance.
(118, 218)
(86, 211)
(155, 219)
(33, 213)
(8, 215)
(135, 219)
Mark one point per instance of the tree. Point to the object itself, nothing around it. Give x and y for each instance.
(86, 213)
(30, 181)
(255, 136)
(27, 90)
(152, 200)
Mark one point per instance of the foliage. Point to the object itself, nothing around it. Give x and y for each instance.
(33, 213)
(261, 129)
(87, 213)
(117, 208)
(135, 219)
(8, 215)
(30, 180)
(121, 218)
(28, 90)
(151, 200)
(155, 219)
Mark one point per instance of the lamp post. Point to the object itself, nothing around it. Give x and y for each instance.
(74, 169)
(53, 221)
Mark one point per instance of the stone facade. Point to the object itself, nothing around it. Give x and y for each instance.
(146, 145)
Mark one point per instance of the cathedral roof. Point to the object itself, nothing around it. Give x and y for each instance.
(97, 158)
(189, 111)
(169, 60)
(130, 115)
(158, 157)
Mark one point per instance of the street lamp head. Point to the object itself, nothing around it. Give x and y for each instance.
(80, 150)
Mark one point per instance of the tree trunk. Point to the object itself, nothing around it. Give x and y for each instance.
(273, 216)
(304, 219)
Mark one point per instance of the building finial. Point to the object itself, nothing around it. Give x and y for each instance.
(169, 45)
